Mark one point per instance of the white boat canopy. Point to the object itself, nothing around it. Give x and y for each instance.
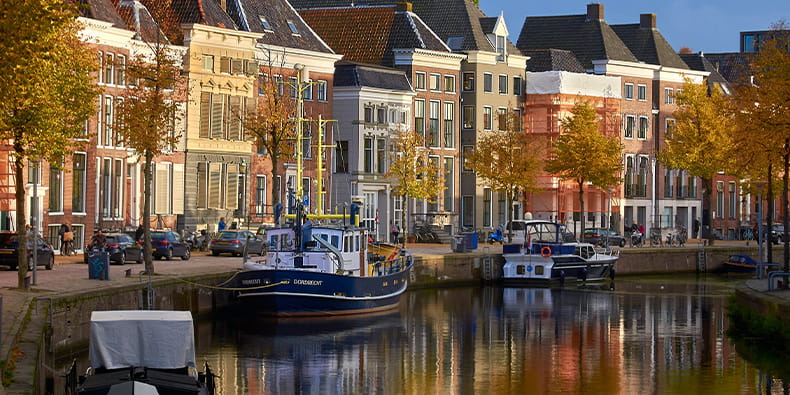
(157, 339)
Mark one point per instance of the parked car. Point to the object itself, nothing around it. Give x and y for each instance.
(603, 237)
(777, 233)
(122, 248)
(234, 241)
(9, 256)
(168, 244)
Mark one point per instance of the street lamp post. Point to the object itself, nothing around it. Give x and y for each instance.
(760, 237)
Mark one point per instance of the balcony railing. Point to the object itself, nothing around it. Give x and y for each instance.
(635, 190)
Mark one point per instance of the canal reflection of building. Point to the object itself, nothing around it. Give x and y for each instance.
(647, 337)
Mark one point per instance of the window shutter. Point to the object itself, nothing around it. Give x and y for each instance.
(232, 197)
(214, 180)
(234, 123)
(237, 66)
(224, 64)
(250, 68)
(162, 188)
(205, 114)
(178, 188)
(216, 116)
(202, 188)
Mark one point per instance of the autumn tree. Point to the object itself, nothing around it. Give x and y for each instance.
(146, 118)
(273, 126)
(48, 92)
(584, 154)
(507, 161)
(413, 174)
(701, 139)
(763, 110)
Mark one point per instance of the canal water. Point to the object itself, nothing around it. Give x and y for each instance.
(654, 335)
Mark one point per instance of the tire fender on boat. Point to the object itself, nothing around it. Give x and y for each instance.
(545, 252)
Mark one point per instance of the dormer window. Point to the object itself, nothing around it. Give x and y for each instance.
(500, 48)
(292, 26)
(265, 23)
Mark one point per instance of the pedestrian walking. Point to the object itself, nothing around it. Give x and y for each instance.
(395, 233)
(138, 234)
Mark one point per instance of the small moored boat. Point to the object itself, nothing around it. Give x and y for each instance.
(739, 263)
(141, 351)
(550, 253)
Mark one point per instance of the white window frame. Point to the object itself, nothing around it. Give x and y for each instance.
(488, 83)
(669, 96)
(435, 82)
(628, 94)
(641, 92)
(449, 81)
(420, 80)
(503, 84)
(643, 133)
(626, 125)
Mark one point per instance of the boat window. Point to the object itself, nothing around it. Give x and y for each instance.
(274, 242)
(335, 241)
(356, 242)
(345, 243)
(324, 236)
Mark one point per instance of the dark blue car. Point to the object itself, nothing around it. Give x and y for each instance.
(167, 244)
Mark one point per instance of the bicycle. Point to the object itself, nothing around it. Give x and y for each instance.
(655, 239)
(67, 248)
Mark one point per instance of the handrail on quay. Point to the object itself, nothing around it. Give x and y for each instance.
(761, 266)
(771, 276)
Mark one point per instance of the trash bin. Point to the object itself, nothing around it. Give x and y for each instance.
(98, 265)
(470, 240)
(459, 244)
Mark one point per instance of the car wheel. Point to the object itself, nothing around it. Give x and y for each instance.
(50, 263)
(622, 243)
(214, 253)
(122, 260)
(169, 254)
(186, 255)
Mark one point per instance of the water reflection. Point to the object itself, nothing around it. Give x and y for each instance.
(654, 336)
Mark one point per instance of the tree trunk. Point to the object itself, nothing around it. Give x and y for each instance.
(785, 217)
(147, 252)
(769, 215)
(581, 208)
(19, 178)
(404, 227)
(707, 198)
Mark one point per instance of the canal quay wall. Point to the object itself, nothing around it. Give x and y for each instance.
(52, 320)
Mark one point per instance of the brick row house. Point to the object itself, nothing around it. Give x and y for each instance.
(650, 73)
(395, 37)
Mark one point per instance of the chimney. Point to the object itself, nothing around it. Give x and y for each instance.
(404, 6)
(595, 12)
(647, 21)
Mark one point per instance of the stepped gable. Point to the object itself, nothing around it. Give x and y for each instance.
(368, 75)
(647, 44)
(553, 60)
(369, 34)
(588, 36)
(248, 15)
(102, 10)
(698, 61)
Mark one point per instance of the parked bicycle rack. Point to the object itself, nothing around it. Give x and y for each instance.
(771, 276)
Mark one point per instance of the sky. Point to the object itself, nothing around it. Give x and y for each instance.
(703, 25)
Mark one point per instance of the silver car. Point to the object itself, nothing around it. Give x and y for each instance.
(234, 241)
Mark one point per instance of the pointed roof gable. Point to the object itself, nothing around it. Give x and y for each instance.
(647, 44)
(369, 34)
(102, 10)
(279, 17)
(698, 61)
(139, 20)
(459, 23)
(205, 12)
(588, 36)
(553, 60)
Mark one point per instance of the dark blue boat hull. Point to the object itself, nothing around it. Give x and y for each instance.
(309, 293)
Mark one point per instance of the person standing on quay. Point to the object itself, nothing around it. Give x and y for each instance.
(221, 225)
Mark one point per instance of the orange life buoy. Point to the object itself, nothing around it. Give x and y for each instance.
(545, 252)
